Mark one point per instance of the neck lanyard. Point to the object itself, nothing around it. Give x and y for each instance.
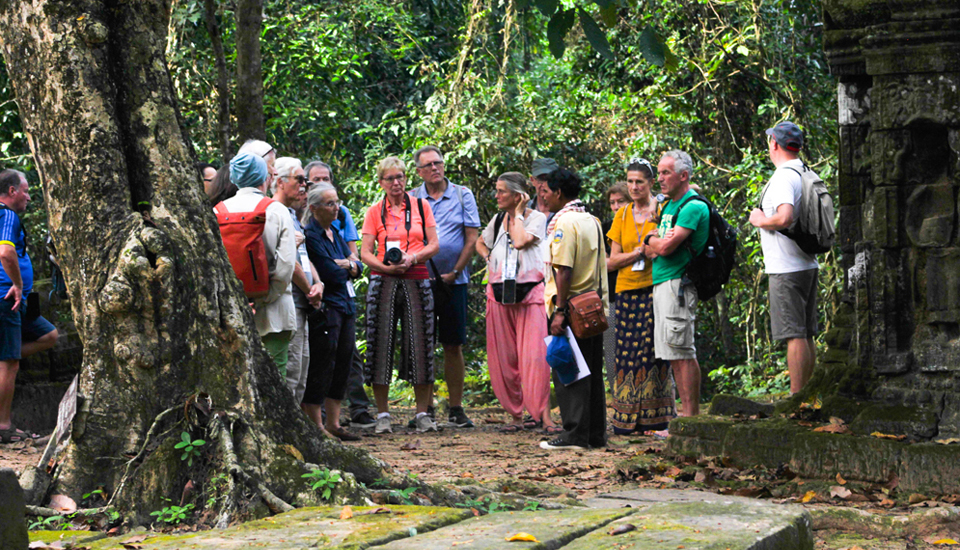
(636, 229)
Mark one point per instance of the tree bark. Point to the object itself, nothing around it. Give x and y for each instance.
(223, 79)
(250, 123)
(160, 313)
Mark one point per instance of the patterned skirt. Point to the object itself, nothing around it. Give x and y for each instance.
(643, 397)
(409, 302)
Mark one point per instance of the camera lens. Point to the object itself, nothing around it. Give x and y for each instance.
(393, 256)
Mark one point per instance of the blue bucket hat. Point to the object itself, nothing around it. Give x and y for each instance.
(560, 358)
(248, 170)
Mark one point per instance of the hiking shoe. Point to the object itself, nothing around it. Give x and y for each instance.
(431, 412)
(459, 418)
(363, 420)
(383, 425)
(559, 444)
(425, 424)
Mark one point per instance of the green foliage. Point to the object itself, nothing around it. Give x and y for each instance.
(532, 506)
(52, 523)
(173, 514)
(190, 447)
(404, 495)
(324, 481)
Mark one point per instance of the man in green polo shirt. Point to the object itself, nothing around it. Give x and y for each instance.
(683, 229)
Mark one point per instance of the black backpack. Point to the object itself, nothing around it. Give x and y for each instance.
(710, 270)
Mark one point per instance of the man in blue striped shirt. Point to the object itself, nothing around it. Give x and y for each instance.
(22, 332)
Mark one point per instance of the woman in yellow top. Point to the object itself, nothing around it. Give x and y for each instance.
(643, 397)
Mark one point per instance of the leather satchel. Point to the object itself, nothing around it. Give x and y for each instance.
(585, 314)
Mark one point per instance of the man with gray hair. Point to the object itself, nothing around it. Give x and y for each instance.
(23, 332)
(458, 227)
(681, 235)
(307, 288)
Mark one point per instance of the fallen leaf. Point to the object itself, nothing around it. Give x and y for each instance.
(886, 503)
(292, 451)
(462, 542)
(559, 471)
(808, 496)
(413, 446)
(63, 503)
(621, 529)
(892, 482)
(833, 428)
(135, 539)
(672, 471)
(469, 475)
(916, 497)
(662, 479)
(346, 513)
(380, 510)
(889, 436)
(947, 441)
(840, 492)
(840, 479)
(522, 537)
(805, 424)
(946, 541)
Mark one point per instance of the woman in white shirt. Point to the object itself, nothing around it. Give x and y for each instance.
(516, 319)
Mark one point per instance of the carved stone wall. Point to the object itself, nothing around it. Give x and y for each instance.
(898, 63)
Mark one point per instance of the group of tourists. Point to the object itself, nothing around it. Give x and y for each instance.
(549, 264)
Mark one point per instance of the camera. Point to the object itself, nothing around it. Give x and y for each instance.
(393, 256)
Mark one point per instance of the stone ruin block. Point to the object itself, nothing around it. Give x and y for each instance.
(930, 215)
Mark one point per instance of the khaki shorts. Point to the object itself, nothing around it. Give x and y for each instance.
(793, 305)
(673, 325)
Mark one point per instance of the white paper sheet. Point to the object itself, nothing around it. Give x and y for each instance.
(583, 369)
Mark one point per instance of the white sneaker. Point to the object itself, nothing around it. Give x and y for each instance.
(425, 424)
(383, 426)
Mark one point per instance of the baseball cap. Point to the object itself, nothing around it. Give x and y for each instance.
(788, 135)
(542, 167)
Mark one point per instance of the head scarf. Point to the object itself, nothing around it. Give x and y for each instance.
(248, 170)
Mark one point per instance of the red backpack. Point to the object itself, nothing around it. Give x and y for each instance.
(242, 234)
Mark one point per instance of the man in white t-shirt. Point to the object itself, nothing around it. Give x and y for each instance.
(792, 272)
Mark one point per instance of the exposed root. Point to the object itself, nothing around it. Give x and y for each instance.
(143, 449)
(224, 436)
(50, 512)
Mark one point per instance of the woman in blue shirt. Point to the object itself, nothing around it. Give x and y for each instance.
(333, 331)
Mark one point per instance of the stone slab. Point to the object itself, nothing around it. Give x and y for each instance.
(308, 528)
(552, 529)
(731, 524)
(729, 405)
(13, 529)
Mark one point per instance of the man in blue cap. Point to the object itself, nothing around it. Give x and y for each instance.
(792, 272)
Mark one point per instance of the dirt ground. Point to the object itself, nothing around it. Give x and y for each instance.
(485, 454)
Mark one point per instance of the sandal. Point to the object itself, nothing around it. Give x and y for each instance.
(530, 424)
(553, 430)
(13, 435)
(510, 428)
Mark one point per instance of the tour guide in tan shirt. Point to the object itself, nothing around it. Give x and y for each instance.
(577, 256)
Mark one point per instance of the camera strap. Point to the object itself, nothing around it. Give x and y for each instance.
(407, 220)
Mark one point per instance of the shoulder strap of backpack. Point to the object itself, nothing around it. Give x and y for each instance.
(220, 208)
(433, 266)
(262, 205)
(341, 217)
(684, 203)
(497, 222)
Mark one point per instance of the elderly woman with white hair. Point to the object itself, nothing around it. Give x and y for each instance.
(516, 320)
(399, 237)
(332, 330)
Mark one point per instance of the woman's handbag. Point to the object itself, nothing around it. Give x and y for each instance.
(585, 314)
(442, 293)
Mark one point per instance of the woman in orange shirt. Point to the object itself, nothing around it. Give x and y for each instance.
(399, 236)
(643, 398)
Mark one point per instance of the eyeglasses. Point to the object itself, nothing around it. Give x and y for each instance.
(391, 179)
(429, 165)
(299, 179)
(331, 204)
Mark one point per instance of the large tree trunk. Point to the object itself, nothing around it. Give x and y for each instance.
(160, 313)
(250, 124)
